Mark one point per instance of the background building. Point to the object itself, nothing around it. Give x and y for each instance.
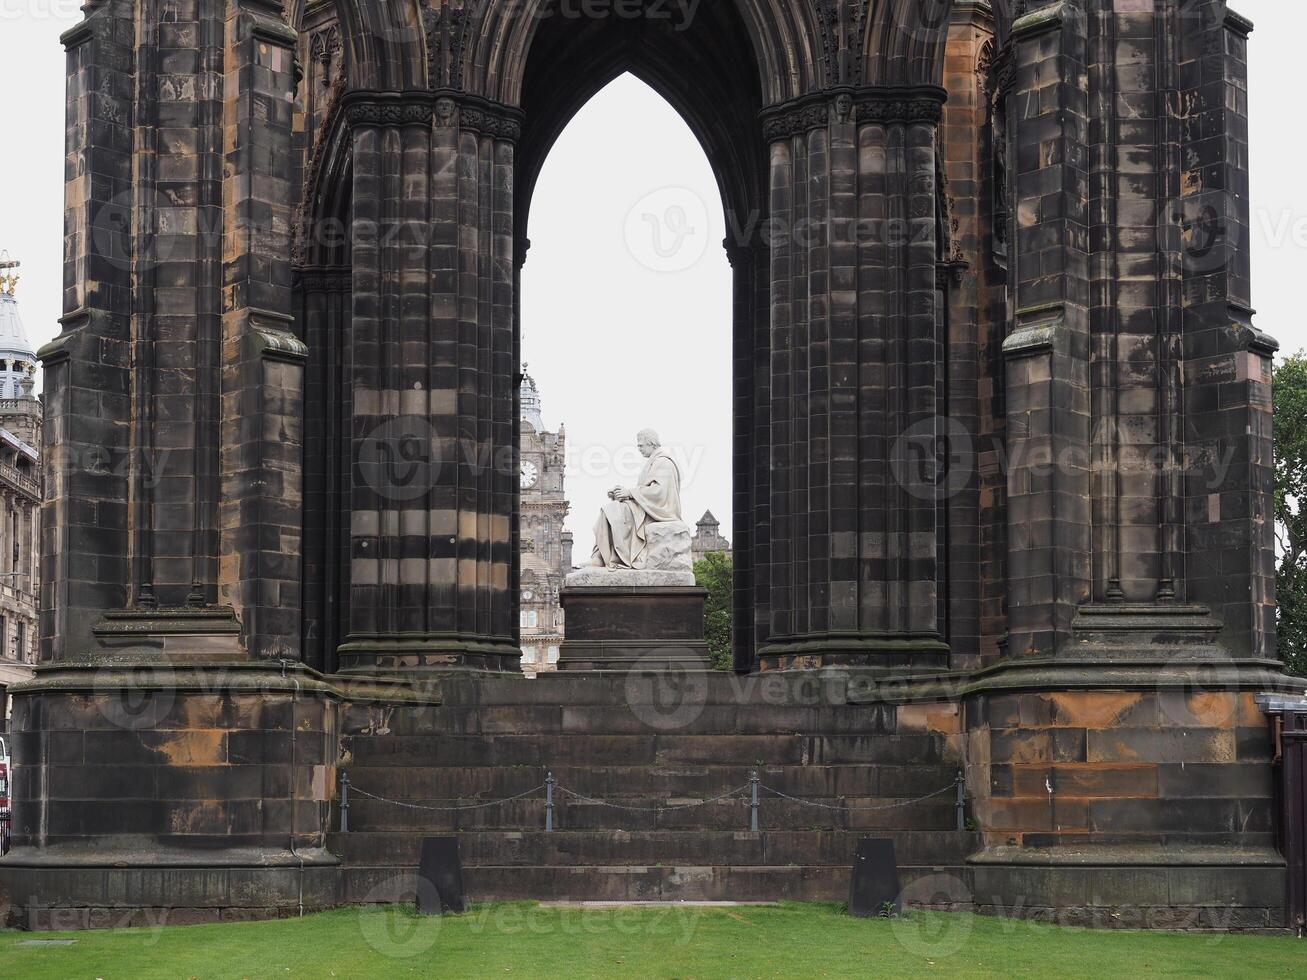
(546, 547)
(20, 494)
(708, 538)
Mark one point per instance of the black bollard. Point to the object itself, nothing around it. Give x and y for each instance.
(874, 889)
(440, 878)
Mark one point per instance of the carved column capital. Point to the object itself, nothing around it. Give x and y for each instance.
(444, 107)
(864, 104)
(320, 280)
(386, 108)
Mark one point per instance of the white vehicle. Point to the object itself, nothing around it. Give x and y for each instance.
(5, 802)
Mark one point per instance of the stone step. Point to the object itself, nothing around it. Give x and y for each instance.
(606, 688)
(727, 815)
(595, 848)
(824, 782)
(944, 886)
(645, 749)
(622, 718)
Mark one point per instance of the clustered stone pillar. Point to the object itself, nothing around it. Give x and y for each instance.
(1122, 730)
(172, 752)
(1226, 525)
(176, 386)
(1047, 348)
(84, 564)
(853, 381)
(751, 280)
(259, 513)
(433, 384)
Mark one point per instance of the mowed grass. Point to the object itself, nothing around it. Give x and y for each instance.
(526, 940)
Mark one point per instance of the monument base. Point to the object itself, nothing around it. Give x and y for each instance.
(627, 627)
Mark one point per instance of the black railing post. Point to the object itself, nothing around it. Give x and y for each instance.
(549, 803)
(753, 801)
(344, 803)
(961, 805)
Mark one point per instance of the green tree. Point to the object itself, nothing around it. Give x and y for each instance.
(1290, 415)
(713, 572)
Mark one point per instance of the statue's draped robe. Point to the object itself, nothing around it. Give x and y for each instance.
(620, 538)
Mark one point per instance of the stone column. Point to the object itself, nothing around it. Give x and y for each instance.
(87, 438)
(187, 770)
(324, 308)
(970, 490)
(1228, 520)
(855, 361)
(1122, 732)
(262, 376)
(1047, 349)
(750, 266)
(432, 364)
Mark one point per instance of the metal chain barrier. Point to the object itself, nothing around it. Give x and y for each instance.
(652, 809)
(878, 806)
(550, 785)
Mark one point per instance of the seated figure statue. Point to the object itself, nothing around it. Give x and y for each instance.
(640, 527)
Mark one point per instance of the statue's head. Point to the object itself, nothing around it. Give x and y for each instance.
(648, 442)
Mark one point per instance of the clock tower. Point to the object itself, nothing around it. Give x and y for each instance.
(546, 548)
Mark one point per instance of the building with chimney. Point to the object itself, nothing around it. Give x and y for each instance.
(546, 548)
(20, 494)
(708, 538)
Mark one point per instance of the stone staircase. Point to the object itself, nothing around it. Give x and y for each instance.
(643, 749)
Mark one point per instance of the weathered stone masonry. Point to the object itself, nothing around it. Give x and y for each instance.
(1001, 453)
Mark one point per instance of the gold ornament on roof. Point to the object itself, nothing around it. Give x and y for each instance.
(8, 277)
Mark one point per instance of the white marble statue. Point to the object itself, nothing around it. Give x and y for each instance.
(639, 529)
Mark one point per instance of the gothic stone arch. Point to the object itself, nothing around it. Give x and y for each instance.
(997, 438)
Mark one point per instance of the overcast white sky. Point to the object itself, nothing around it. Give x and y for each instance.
(606, 283)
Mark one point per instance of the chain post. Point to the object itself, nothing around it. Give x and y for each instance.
(961, 805)
(344, 802)
(549, 803)
(753, 800)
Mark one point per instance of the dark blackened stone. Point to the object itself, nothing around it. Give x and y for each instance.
(440, 878)
(874, 889)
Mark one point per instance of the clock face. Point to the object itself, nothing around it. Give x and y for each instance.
(527, 595)
(530, 473)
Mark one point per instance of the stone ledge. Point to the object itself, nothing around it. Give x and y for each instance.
(1129, 855)
(627, 578)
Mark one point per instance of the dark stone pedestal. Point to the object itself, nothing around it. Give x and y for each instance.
(624, 628)
(186, 790)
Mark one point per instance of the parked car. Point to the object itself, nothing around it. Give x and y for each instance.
(6, 811)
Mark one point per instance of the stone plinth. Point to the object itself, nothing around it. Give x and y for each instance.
(622, 626)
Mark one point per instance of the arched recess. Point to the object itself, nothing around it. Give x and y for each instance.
(904, 43)
(707, 69)
(385, 44)
(800, 108)
(783, 38)
(710, 73)
(322, 291)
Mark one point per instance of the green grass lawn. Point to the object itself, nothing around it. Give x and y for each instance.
(523, 939)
